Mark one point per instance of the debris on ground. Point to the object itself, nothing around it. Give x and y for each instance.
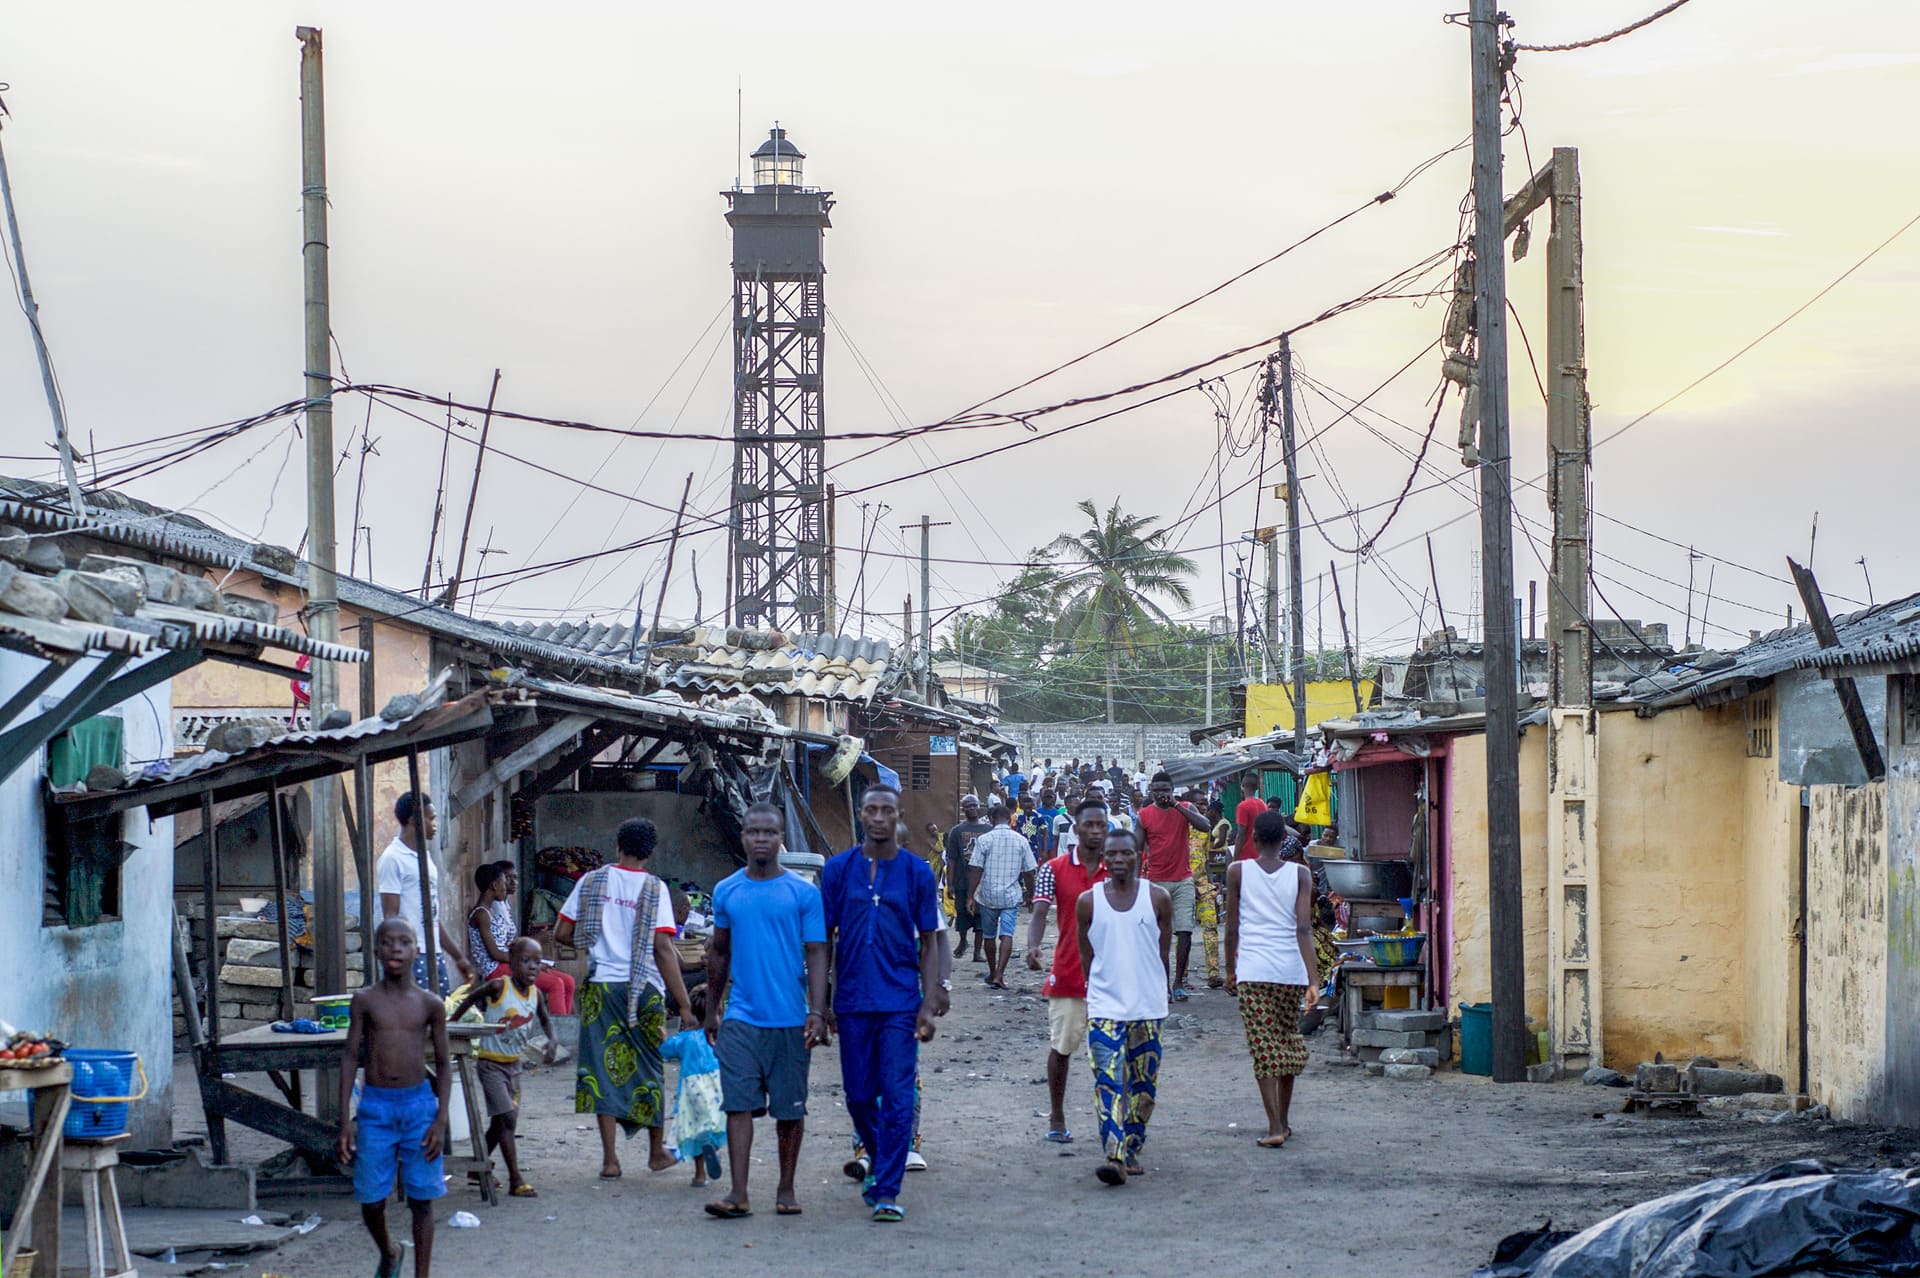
(1796, 1218)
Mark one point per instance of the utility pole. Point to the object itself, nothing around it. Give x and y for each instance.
(926, 526)
(1270, 614)
(323, 601)
(451, 597)
(1346, 639)
(1505, 909)
(828, 576)
(60, 437)
(1297, 623)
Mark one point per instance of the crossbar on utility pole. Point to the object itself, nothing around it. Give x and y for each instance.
(1505, 908)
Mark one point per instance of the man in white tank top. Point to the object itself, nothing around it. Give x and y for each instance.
(1125, 925)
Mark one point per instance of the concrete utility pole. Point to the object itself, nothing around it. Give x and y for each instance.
(1505, 917)
(60, 437)
(1574, 1003)
(1296, 622)
(926, 527)
(323, 599)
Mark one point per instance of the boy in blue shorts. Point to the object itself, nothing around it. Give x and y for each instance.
(402, 1120)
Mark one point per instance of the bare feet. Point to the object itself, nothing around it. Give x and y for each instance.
(662, 1162)
(1274, 1140)
(610, 1170)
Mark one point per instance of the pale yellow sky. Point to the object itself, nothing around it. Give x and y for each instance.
(1016, 184)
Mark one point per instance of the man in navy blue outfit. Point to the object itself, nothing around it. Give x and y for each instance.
(883, 916)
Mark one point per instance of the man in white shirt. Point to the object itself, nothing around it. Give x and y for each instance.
(397, 878)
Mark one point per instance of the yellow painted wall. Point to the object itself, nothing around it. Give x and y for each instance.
(1673, 863)
(1270, 705)
(1847, 947)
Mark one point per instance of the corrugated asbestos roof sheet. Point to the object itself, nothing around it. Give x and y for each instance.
(1783, 650)
(1899, 641)
(709, 659)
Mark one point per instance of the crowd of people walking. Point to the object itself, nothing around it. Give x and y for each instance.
(862, 960)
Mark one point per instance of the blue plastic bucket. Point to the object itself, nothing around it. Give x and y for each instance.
(102, 1088)
(1476, 1039)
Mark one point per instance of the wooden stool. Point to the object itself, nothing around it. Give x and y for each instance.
(94, 1162)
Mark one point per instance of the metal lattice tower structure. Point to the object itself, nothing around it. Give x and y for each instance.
(778, 527)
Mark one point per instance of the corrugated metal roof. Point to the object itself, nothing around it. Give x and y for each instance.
(716, 659)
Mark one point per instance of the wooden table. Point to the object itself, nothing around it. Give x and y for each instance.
(262, 1049)
(39, 1209)
(1357, 978)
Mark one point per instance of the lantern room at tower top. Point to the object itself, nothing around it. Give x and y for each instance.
(778, 526)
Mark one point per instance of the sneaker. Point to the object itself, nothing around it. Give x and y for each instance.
(915, 1162)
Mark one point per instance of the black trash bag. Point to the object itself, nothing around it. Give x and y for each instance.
(1796, 1218)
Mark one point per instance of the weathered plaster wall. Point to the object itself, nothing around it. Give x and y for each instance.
(108, 985)
(1847, 946)
(1672, 904)
(1472, 979)
(1770, 822)
(1901, 1094)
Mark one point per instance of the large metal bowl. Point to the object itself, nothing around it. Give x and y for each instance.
(1387, 924)
(1366, 880)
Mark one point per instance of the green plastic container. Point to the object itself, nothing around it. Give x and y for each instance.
(1476, 1039)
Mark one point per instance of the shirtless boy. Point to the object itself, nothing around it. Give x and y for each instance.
(402, 1119)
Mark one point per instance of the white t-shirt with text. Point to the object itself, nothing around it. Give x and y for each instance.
(612, 954)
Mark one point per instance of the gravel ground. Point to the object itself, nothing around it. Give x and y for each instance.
(1380, 1177)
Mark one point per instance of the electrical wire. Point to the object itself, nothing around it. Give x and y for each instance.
(1591, 41)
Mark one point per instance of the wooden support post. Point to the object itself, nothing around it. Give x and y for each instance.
(1858, 724)
(276, 838)
(429, 924)
(363, 858)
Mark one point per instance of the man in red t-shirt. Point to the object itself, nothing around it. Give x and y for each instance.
(1059, 885)
(1164, 860)
(1251, 806)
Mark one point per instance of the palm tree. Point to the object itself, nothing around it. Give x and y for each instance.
(1108, 575)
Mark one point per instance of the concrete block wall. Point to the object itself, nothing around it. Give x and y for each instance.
(1129, 742)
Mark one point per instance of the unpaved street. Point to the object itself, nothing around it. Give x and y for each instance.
(1380, 1177)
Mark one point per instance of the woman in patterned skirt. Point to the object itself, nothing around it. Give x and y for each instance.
(1271, 965)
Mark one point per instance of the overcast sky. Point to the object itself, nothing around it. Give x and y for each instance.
(537, 190)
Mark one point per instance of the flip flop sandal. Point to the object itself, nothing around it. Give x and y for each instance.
(615, 1175)
(1060, 1136)
(523, 1191)
(1134, 1168)
(727, 1209)
(1111, 1173)
(1179, 993)
(888, 1213)
(786, 1209)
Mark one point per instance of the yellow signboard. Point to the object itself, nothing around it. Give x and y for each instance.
(1270, 705)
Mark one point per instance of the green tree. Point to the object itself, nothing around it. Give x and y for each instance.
(1108, 576)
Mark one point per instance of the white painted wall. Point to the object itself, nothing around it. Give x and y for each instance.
(105, 986)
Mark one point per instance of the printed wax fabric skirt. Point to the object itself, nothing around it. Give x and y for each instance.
(618, 1071)
(1272, 1016)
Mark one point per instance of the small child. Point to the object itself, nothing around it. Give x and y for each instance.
(699, 1126)
(402, 1119)
(512, 1001)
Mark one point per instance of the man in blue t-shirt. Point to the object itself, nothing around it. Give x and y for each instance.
(769, 940)
(883, 914)
(1015, 781)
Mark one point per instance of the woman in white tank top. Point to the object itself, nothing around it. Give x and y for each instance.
(1271, 967)
(1125, 925)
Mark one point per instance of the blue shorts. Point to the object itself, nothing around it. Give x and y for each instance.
(388, 1129)
(995, 922)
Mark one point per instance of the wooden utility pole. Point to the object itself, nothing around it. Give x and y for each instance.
(926, 527)
(323, 601)
(451, 597)
(832, 604)
(1346, 640)
(1505, 907)
(61, 439)
(1296, 604)
(660, 598)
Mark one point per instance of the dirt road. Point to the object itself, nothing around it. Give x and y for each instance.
(1381, 1177)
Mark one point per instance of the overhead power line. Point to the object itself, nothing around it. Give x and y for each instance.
(1588, 43)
